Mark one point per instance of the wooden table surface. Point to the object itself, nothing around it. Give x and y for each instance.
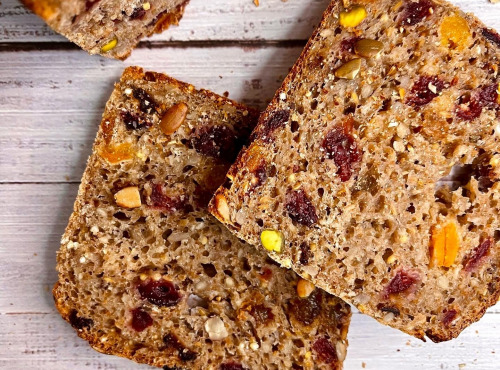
(51, 98)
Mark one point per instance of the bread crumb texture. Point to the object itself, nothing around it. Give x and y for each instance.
(378, 163)
(145, 272)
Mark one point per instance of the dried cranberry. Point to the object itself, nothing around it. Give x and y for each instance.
(402, 281)
(420, 93)
(448, 317)
(231, 366)
(90, 3)
(269, 124)
(347, 45)
(483, 172)
(184, 354)
(79, 322)
(158, 199)
(305, 310)
(491, 35)
(468, 108)
(475, 258)
(141, 319)
(488, 96)
(305, 253)
(262, 314)
(414, 12)
(341, 146)
(138, 13)
(300, 209)
(135, 121)
(325, 350)
(260, 174)
(217, 142)
(266, 274)
(146, 102)
(161, 293)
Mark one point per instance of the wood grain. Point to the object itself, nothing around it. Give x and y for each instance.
(51, 101)
(219, 20)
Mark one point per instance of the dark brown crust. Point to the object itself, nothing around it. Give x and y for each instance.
(300, 64)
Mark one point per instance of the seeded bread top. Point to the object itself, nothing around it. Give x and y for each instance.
(111, 28)
(374, 171)
(147, 273)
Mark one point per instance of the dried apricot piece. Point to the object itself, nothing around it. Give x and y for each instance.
(117, 153)
(455, 32)
(445, 243)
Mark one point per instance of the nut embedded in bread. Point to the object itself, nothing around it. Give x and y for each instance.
(145, 272)
(378, 163)
(111, 28)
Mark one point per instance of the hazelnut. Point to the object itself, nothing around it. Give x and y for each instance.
(216, 329)
(304, 288)
(128, 197)
(222, 207)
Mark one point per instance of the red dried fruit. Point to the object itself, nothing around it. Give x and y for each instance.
(476, 257)
(420, 93)
(231, 366)
(340, 145)
(138, 13)
(266, 274)
(414, 12)
(269, 124)
(305, 253)
(161, 293)
(402, 281)
(300, 209)
(491, 35)
(146, 102)
(468, 108)
(325, 350)
(262, 314)
(141, 319)
(90, 3)
(217, 141)
(158, 199)
(135, 121)
(79, 322)
(184, 354)
(488, 96)
(347, 45)
(305, 310)
(448, 317)
(483, 172)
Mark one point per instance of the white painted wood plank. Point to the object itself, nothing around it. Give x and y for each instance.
(44, 341)
(55, 99)
(203, 20)
(221, 20)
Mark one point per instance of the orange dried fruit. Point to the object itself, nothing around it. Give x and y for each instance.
(117, 153)
(444, 245)
(455, 32)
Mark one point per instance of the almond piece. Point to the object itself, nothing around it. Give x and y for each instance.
(173, 118)
(128, 197)
(222, 207)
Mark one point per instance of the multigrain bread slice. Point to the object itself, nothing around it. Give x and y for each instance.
(111, 28)
(374, 171)
(145, 272)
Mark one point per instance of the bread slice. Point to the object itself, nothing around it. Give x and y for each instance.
(111, 28)
(145, 272)
(377, 162)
